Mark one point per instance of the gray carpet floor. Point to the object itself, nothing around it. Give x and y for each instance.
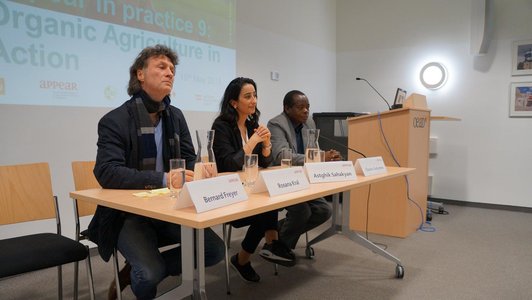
(471, 253)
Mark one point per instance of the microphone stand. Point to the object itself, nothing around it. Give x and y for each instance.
(338, 144)
(359, 78)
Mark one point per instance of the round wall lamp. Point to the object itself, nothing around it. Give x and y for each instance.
(433, 75)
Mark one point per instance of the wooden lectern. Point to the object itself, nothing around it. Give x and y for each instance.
(389, 212)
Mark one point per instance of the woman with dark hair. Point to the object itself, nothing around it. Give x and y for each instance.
(238, 132)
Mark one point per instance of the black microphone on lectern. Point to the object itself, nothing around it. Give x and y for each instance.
(358, 78)
(341, 145)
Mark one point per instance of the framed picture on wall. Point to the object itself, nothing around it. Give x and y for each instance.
(521, 99)
(522, 58)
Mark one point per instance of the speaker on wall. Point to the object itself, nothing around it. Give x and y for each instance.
(481, 26)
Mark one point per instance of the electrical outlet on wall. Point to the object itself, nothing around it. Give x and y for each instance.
(274, 75)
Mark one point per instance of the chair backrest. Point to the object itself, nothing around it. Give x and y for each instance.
(26, 193)
(84, 179)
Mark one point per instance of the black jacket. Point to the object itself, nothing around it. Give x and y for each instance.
(117, 167)
(227, 147)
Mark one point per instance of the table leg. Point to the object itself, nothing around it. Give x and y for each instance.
(336, 226)
(352, 235)
(186, 289)
(199, 272)
(342, 227)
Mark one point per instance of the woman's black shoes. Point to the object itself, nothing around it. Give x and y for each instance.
(246, 272)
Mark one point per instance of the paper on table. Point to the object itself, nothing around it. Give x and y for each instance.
(152, 193)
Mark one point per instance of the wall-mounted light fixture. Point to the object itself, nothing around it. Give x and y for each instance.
(433, 75)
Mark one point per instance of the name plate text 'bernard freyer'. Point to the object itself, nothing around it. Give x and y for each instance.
(211, 193)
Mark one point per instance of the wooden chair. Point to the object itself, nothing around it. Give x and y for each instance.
(26, 195)
(84, 179)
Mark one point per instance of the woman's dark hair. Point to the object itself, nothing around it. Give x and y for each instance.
(227, 112)
(141, 62)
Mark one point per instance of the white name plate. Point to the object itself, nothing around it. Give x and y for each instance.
(330, 171)
(281, 181)
(207, 194)
(370, 166)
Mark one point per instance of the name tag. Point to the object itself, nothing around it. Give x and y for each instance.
(281, 181)
(370, 166)
(330, 171)
(207, 194)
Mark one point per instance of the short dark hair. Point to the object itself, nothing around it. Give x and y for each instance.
(141, 62)
(288, 100)
(232, 92)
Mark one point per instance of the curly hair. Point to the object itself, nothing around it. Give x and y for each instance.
(141, 62)
(232, 92)
(288, 100)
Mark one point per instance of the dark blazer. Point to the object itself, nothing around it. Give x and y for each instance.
(227, 147)
(117, 167)
(284, 136)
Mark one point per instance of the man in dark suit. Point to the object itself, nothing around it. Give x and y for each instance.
(288, 131)
(135, 143)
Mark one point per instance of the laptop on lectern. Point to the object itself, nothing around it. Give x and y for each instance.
(400, 96)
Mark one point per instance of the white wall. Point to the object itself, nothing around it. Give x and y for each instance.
(319, 46)
(483, 158)
(298, 41)
(295, 38)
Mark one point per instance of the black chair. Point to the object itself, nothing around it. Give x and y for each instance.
(26, 195)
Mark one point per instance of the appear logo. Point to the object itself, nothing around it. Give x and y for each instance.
(58, 85)
(2, 87)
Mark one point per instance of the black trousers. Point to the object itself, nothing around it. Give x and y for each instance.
(258, 225)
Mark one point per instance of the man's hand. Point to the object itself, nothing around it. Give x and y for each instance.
(332, 155)
(189, 175)
(207, 170)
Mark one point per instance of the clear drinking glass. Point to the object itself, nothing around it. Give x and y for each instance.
(177, 176)
(286, 158)
(205, 166)
(322, 155)
(251, 169)
(312, 146)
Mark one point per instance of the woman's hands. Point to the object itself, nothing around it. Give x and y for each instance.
(262, 135)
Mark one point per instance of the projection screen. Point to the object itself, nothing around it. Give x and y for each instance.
(78, 52)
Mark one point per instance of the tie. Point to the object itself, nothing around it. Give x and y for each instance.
(299, 140)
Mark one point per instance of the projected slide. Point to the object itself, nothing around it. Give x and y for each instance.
(78, 52)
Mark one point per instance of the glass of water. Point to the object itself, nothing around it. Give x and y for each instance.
(177, 176)
(286, 158)
(251, 169)
(322, 156)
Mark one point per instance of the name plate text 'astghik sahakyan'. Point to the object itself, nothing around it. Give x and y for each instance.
(330, 171)
(207, 194)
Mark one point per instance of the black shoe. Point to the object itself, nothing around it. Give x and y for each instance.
(277, 252)
(246, 272)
